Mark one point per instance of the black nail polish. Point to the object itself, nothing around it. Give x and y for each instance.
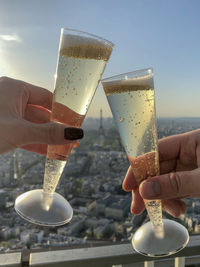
(71, 133)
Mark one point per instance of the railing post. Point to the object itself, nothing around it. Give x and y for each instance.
(179, 262)
(25, 258)
(149, 264)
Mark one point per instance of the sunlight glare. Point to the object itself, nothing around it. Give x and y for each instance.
(138, 235)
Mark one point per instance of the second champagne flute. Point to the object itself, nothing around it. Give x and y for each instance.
(132, 102)
(81, 63)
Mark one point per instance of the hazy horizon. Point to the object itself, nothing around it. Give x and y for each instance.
(158, 117)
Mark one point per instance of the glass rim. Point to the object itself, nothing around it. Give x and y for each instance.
(150, 70)
(89, 34)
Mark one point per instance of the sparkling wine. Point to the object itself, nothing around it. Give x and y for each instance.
(80, 66)
(132, 105)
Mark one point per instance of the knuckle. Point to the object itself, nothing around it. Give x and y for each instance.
(24, 93)
(4, 79)
(175, 182)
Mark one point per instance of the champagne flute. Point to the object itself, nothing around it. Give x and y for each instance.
(82, 59)
(132, 102)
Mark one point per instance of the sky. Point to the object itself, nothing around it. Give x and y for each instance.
(162, 34)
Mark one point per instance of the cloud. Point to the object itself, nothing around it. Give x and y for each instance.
(10, 38)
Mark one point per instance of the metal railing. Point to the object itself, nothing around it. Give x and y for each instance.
(121, 255)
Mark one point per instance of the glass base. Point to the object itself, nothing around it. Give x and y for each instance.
(44, 209)
(175, 238)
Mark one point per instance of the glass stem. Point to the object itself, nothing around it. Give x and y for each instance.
(154, 209)
(53, 171)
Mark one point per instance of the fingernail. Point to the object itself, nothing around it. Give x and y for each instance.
(152, 189)
(71, 133)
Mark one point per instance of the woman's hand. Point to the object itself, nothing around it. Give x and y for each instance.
(25, 111)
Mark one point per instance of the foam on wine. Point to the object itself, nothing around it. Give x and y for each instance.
(85, 47)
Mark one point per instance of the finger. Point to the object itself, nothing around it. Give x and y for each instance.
(53, 133)
(129, 182)
(174, 207)
(198, 154)
(37, 148)
(167, 166)
(37, 114)
(171, 185)
(38, 95)
(137, 205)
(169, 147)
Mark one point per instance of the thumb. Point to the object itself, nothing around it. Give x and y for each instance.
(46, 133)
(171, 185)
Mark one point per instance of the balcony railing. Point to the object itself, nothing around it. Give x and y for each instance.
(121, 255)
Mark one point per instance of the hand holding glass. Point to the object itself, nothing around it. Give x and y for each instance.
(131, 99)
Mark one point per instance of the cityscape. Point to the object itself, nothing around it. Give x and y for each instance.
(91, 182)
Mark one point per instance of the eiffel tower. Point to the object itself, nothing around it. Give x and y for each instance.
(101, 129)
